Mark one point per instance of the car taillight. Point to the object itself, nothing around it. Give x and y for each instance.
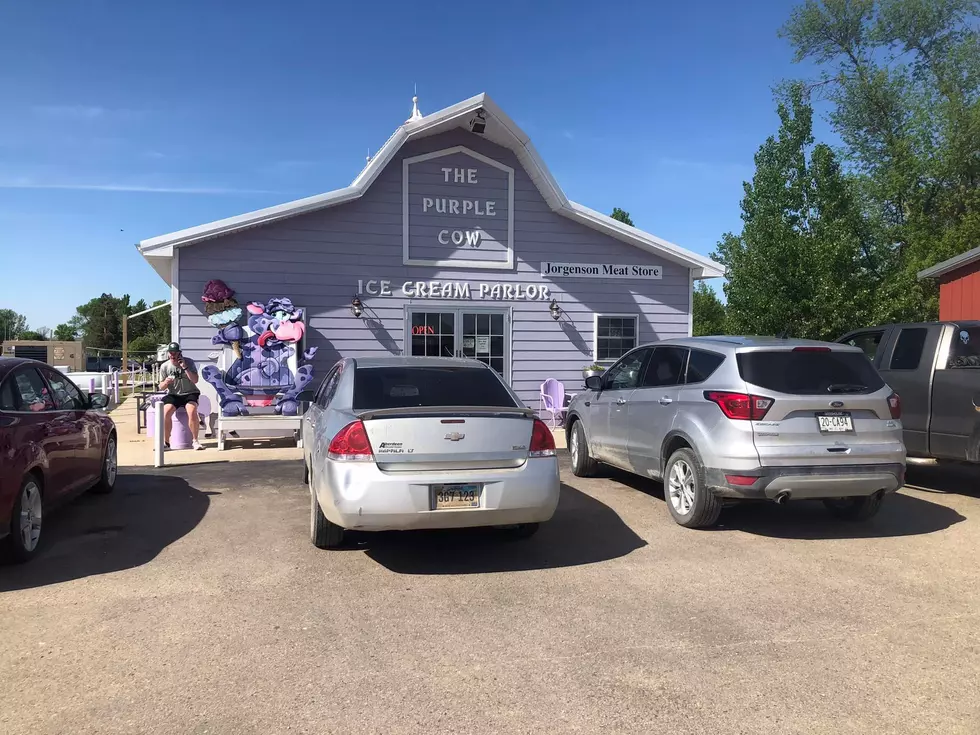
(741, 406)
(895, 405)
(351, 444)
(542, 442)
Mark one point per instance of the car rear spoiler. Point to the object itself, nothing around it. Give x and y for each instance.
(502, 411)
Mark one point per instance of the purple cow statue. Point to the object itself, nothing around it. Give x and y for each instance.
(263, 368)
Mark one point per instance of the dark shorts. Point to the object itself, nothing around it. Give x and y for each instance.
(181, 401)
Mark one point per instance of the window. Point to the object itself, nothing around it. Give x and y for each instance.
(327, 388)
(30, 391)
(908, 349)
(965, 351)
(625, 374)
(407, 387)
(7, 402)
(434, 334)
(66, 395)
(702, 364)
(809, 373)
(615, 335)
(869, 342)
(665, 367)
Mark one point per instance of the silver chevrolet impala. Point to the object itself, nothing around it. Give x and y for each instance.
(424, 442)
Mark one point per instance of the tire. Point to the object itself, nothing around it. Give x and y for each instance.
(24, 546)
(855, 509)
(582, 463)
(110, 468)
(689, 501)
(323, 533)
(521, 530)
(306, 473)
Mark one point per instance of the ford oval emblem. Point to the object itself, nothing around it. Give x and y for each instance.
(837, 404)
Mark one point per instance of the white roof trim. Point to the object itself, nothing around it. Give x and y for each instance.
(507, 133)
(948, 266)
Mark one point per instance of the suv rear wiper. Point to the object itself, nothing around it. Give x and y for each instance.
(846, 388)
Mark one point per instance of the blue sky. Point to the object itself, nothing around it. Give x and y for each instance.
(122, 120)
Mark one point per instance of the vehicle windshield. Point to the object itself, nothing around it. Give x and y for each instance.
(809, 373)
(406, 387)
(965, 351)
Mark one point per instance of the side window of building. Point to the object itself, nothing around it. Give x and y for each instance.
(869, 342)
(615, 335)
(908, 350)
(666, 367)
(701, 365)
(965, 351)
(626, 373)
(30, 392)
(66, 396)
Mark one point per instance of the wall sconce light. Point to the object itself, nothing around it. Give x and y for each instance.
(356, 307)
(478, 123)
(555, 310)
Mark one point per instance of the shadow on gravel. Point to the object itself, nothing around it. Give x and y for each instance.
(944, 478)
(582, 531)
(97, 534)
(900, 515)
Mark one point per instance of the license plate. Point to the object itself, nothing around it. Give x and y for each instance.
(455, 496)
(831, 423)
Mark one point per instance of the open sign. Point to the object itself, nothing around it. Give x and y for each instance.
(423, 330)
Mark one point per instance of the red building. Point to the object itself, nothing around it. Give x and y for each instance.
(959, 286)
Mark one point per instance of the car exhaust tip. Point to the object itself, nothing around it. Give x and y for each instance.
(782, 497)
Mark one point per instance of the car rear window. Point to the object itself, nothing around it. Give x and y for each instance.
(809, 373)
(406, 387)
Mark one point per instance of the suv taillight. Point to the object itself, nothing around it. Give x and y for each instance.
(351, 444)
(741, 406)
(542, 442)
(895, 405)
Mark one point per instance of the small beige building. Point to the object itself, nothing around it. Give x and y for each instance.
(70, 355)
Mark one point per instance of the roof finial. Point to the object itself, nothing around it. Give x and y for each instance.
(416, 115)
(368, 159)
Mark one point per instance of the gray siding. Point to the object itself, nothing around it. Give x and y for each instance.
(317, 259)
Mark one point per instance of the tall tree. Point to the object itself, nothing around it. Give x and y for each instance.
(65, 333)
(11, 324)
(100, 321)
(802, 263)
(709, 312)
(903, 80)
(622, 215)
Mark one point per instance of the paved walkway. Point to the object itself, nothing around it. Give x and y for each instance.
(136, 450)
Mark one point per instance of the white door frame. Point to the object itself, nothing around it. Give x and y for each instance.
(458, 307)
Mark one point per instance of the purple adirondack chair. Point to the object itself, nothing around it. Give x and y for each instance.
(553, 400)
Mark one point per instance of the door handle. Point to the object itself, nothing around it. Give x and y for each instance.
(666, 401)
(621, 402)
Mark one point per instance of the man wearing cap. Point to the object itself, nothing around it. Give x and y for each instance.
(180, 381)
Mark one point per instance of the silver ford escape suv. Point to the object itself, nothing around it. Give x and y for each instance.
(720, 419)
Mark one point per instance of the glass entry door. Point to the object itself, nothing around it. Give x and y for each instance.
(480, 334)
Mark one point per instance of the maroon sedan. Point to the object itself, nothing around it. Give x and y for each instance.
(53, 445)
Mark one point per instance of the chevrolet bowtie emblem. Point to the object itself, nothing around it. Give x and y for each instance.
(455, 436)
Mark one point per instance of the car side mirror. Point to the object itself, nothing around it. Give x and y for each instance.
(594, 382)
(306, 396)
(98, 400)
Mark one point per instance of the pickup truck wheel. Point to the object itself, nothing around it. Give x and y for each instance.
(578, 446)
(689, 501)
(855, 509)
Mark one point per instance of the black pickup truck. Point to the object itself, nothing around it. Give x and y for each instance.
(935, 369)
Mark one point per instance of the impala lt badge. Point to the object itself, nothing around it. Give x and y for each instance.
(455, 436)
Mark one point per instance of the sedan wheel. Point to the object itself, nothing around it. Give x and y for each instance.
(25, 522)
(681, 487)
(110, 468)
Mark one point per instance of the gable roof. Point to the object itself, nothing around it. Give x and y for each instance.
(948, 266)
(500, 129)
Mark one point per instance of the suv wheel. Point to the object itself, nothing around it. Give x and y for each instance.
(578, 446)
(689, 501)
(855, 509)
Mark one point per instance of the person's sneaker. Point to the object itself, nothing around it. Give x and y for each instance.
(197, 445)
(166, 446)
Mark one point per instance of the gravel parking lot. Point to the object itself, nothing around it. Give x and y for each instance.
(192, 601)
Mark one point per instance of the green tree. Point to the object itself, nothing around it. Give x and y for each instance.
(65, 333)
(622, 215)
(709, 312)
(804, 263)
(100, 321)
(903, 80)
(34, 334)
(11, 324)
